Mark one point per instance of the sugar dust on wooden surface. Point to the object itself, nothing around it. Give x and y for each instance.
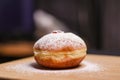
(94, 67)
(33, 67)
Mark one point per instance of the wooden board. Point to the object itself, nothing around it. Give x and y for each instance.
(94, 67)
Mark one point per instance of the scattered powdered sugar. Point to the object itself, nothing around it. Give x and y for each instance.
(31, 67)
(58, 40)
(90, 67)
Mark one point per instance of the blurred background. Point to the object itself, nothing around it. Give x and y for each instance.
(22, 22)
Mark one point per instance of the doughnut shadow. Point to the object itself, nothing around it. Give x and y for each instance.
(40, 67)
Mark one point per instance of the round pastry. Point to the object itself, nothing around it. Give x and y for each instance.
(59, 50)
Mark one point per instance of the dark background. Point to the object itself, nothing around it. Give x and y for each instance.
(96, 21)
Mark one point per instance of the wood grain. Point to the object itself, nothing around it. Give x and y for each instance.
(27, 68)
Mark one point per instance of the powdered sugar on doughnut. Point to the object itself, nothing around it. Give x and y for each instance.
(57, 41)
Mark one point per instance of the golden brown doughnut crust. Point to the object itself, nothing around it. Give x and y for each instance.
(65, 63)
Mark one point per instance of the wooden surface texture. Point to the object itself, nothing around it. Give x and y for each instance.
(93, 67)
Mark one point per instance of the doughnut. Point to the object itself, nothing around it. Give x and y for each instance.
(59, 50)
